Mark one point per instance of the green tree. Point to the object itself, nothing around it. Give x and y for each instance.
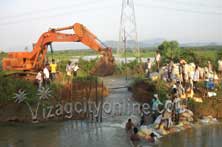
(189, 55)
(170, 50)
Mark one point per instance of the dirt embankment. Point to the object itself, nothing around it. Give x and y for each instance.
(142, 91)
(58, 107)
(210, 106)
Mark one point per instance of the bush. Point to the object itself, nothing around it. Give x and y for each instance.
(132, 68)
(188, 55)
(194, 56)
(2, 55)
(86, 66)
(9, 86)
(170, 50)
(62, 65)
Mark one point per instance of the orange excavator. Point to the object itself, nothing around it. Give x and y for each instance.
(35, 60)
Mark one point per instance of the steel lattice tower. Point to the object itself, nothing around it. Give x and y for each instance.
(128, 39)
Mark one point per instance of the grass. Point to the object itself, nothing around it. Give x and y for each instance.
(69, 54)
(144, 53)
(9, 86)
(2, 55)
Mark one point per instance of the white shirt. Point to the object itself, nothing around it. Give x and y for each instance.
(196, 75)
(149, 65)
(46, 73)
(220, 65)
(68, 68)
(158, 57)
(39, 76)
(177, 102)
(76, 67)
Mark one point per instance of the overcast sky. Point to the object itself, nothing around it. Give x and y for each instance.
(23, 21)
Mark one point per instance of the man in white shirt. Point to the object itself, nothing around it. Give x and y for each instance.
(69, 69)
(170, 68)
(46, 74)
(220, 67)
(158, 58)
(196, 77)
(148, 66)
(75, 69)
(39, 79)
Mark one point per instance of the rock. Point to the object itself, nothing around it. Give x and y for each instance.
(208, 120)
(13, 119)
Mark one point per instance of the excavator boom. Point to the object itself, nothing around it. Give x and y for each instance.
(35, 60)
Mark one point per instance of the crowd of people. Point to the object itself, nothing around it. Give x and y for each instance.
(48, 74)
(163, 117)
(188, 74)
(183, 80)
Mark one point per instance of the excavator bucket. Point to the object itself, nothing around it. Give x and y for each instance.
(104, 67)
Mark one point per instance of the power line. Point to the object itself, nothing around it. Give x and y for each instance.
(76, 11)
(179, 9)
(28, 13)
(186, 3)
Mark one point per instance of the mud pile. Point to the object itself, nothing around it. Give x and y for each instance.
(103, 68)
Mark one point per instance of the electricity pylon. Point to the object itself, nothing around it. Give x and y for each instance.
(128, 39)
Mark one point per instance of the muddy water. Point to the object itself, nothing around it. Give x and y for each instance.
(110, 133)
(201, 136)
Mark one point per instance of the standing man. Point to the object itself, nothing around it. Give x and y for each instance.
(189, 88)
(39, 79)
(196, 77)
(46, 75)
(75, 69)
(220, 67)
(69, 70)
(53, 67)
(180, 89)
(158, 58)
(176, 108)
(148, 66)
(155, 106)
(182, 71)
(170, 70)
(209, 66)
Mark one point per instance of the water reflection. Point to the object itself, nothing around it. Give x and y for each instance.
(26, 135)
(204, 136)
(83, 134)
